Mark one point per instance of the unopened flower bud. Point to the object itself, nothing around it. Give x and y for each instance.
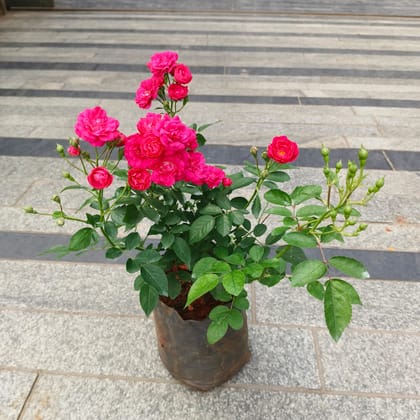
(67, 175)
(380, 183)
(253, 150)
(29, 209)
(56, 198)
(325, 151)
(347, 211)
(351, 222)
(339, 165)
(362, 226)
(60, 150)
(60, 222)
(264, 155)
(363, 154)
(326, 171)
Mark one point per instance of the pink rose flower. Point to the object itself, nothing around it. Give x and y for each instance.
(283, 150)
(213, 176)
(195, 164)
(176, 136)
(148, 91)
(100, 178)
(182, 74)
(177, 92)
(73, 150)
(227, 182)
(139, 179)
(163, 62)
(151, 123)
(168, 171)
(95, 127)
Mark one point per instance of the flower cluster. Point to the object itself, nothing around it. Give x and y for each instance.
(166, 72)
(163, 151)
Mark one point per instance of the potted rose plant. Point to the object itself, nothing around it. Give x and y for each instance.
(195, 237)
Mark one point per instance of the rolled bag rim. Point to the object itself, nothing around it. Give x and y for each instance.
(185, 352)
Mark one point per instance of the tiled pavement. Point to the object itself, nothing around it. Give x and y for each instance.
(73, 343)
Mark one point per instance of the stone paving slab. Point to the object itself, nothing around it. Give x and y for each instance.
(372, 362)
(71, 398)
(386, 305)
(14, 389)
(68, 287)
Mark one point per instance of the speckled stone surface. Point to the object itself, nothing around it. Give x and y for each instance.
(82, 344)
(372, 362)
(72, 398)
(384, 307)
(68, 287)
(14, 389)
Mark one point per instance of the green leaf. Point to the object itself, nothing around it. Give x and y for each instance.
(216, 331)
(234, 259)
(292, 254)
(347, 289)
(223, 201)
(300, 239)
(155, 276)
(131, 266)
(257, 252)
(237, 217)
(147, 256)
(316, 289)
(132, 215)
(307, 271)
(310, 210)
(279, 211)
(138, 282)
(203, 266)
(279, 176)
(239, 202)
(256, 207)
(211, 209)
(275, 235)
(220, 267)
(349, 266)
(182, 250)
(254, 270)
(112, 253)
(260, 229)
(132, 240)
(148, 298)
(337, 308)
(235, 319)
(111, 229)
(278, 197)
(201, 227)
(82, 239)
(201, 286)
(241, 182)
(306, 192)
(241, 303)
(223, 225)
(219, 312)
(167, 239)
(59, 250)
(151, 213)
(174, 285)
(234, 282)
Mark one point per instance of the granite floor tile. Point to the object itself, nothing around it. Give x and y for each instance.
(79, 343)
(61, 286)
(386, 305)
(72, 398)
(14, 389)
(372, 362)
(280, 356)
